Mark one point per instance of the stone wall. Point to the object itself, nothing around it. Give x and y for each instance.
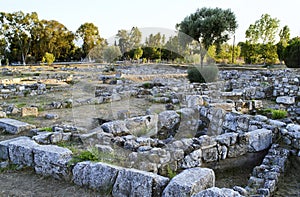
(52, 160)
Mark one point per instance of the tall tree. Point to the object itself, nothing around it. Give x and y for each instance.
(135, 38)
(173, 48)
(90, 36)
(53, 37)
(291, 53)
(209, 26)
(3, 50)
(17, 28)
(123, 40)
(284, 36)
(263, 32)
(154, 40)
(129, 40)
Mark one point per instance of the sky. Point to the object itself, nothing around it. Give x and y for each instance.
(112, 15)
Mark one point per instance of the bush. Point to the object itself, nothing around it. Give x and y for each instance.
(291, 53)
(203, 74)
(49, 58)
(278, 114)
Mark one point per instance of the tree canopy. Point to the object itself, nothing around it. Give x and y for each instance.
(291, 53)
(209, 26)
(90, 36)
(129, 40)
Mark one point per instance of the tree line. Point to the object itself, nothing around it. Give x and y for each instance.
(25, 38)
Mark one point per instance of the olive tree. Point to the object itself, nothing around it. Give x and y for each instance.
(111, 53)
(209, 26)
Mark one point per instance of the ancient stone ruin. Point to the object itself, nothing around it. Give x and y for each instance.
(166, 150)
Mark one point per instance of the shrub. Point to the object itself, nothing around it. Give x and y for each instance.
(291, 53)
(203, 74)
(278, 114)
(49, 58)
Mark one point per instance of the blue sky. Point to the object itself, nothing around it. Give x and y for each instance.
(112, 15)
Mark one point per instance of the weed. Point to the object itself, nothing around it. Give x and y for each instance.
(170, 173)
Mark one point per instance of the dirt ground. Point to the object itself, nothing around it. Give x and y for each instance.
(25, 183)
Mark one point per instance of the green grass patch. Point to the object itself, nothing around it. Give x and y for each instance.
(273, 113)
(9, 168)
(20, 105)
(279, 114)
(48, 129)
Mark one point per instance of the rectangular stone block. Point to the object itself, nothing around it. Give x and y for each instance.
(259, 139)
(189, 182)
(52, 160)
(4, 147)
(98, 176)
(13, 126)
(131, 182)
(21, 151)
(29, 111)
(285, 100)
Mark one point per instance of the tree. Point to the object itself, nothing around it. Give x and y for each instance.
(129, 40)
(250, 52)
(263, 32)
(291, 53)
(173, 48)
(225, 54)
(3, 50)
(90, 36)
(209, 26)
(111, 53)
(53, 37)
(17, 28)
(154, 40)
(135, 38)
(138, 52)
(284, 35)
(123, 40)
